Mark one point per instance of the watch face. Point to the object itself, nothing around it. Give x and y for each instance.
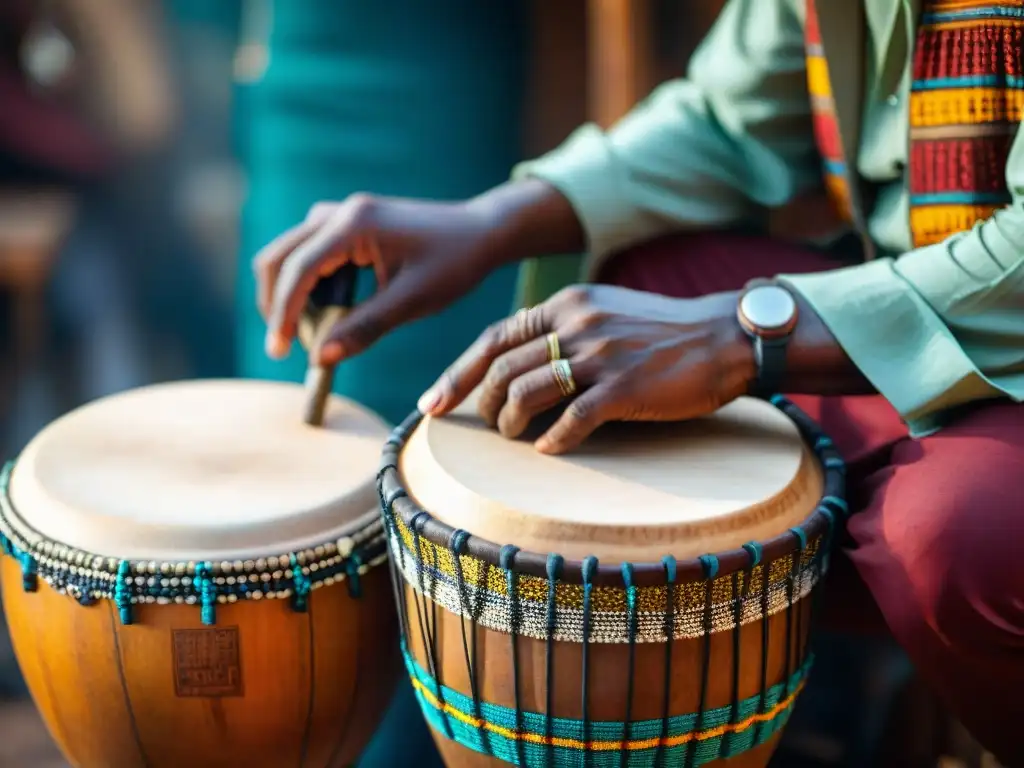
(768, 307)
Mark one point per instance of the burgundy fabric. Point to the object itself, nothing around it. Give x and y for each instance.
(935, 546)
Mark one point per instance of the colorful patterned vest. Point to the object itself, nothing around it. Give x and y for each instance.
(966, 102)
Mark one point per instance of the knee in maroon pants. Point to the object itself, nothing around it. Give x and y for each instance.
(939, 545)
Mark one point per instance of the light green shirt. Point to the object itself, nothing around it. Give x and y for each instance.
(731, 145)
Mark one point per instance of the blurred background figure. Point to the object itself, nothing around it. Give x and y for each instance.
(97, 145)
(119, 196)
(401, 98)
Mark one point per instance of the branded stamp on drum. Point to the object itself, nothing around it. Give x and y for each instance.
(207, 662)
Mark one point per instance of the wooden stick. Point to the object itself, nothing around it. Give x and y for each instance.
(319, 378)
(329, 303)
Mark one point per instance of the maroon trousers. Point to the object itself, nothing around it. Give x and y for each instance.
(935, 547)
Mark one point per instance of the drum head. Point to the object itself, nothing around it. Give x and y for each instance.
(205, 470)
(633, 492)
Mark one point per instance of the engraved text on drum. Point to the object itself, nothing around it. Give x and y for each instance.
(207, 663)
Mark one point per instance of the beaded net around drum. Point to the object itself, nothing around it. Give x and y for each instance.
(89, 577)
(449, 569)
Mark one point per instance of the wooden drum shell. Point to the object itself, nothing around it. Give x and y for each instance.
(192, 576)
(609, 669)
(309, 690)
(731, 681)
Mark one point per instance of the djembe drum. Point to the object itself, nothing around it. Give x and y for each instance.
(632, 645)
(193, 579)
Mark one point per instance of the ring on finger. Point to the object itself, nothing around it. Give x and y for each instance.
(522, 319)
(554, 348)
(563, 377)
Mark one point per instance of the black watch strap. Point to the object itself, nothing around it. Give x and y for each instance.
(770, 356)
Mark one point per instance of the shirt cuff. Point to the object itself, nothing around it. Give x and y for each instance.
(586, 171)
(896, 340)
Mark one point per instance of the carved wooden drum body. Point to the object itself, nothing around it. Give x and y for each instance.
(194, 578)
(668, 626)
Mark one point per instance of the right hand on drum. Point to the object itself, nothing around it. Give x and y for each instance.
(425, 255)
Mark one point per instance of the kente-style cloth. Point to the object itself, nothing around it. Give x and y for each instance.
(966, 102)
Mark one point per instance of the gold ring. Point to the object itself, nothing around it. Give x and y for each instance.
(554, 348)
(563, 377)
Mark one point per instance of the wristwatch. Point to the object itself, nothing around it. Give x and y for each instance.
(767, 312)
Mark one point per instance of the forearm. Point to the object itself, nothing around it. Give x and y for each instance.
(815, 362)
(529, 219)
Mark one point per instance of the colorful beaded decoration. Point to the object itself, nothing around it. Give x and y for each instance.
(88, 577)
(519, 594)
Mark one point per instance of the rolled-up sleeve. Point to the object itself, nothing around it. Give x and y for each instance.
(714, 149)
(939, 326)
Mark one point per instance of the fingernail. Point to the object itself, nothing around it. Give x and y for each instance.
(429, 401)
(543, 445)
(331, 353)
(276, 345)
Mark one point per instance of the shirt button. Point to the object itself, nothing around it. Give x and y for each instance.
(893, 100)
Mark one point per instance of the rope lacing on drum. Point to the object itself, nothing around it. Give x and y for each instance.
(588, 571)
(631, 623)
(506, 560)
(709, 566)
(457, 543)
(669, 564)
(427, 621)
(553, 569)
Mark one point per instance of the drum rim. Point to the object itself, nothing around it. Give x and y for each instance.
(12, 521)
(89, 578)
(394, 499)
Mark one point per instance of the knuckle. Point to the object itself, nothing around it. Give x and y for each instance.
(580, 411)
(574, 295)
(592, 319)
(496, 336)
(498, 373)
(261, 265)
(360, 209)
(518, 393)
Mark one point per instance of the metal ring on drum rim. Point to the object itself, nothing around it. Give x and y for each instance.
(452, 567)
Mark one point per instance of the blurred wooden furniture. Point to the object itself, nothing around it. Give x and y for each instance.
(594, 59)
(33, 224)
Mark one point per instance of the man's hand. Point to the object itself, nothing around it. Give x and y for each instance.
(425, 256)
(633, 356)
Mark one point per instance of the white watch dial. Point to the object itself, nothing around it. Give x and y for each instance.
(768, 306)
